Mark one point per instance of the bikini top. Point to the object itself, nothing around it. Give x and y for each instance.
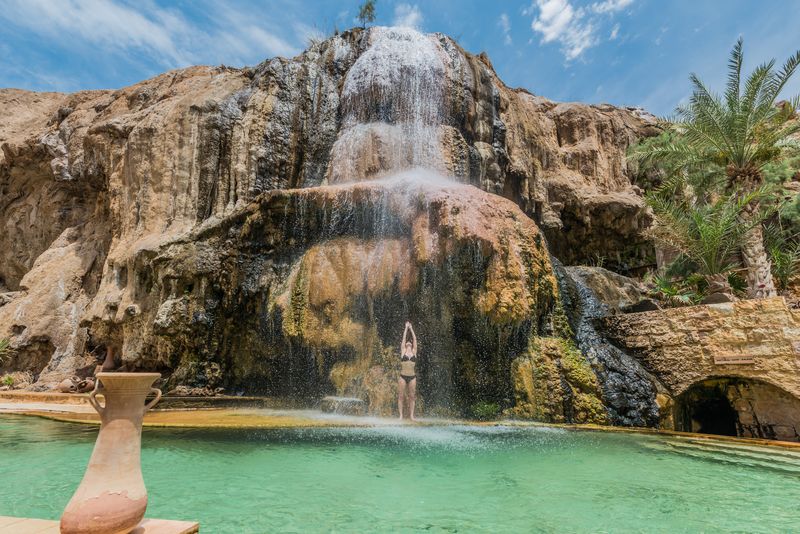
(405, 358)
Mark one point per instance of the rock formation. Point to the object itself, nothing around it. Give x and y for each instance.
(252, 221)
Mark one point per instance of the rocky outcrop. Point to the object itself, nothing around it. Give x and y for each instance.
(304, 291)
(630, 392)
(760, 339)
(614, 290)
(183, 219)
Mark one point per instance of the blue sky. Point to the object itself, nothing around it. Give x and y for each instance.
(626, 52)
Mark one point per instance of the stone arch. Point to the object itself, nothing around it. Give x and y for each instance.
(740, 406)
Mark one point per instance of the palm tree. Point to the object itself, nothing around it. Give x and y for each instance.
(736, 134)
(705, 227)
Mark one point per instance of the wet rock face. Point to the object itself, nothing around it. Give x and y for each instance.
(630, 392)
(305, 292)
(553, 382)
(182, 220)
(614, 290)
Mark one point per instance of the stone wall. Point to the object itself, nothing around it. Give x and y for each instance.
(754, 345)
(681, 345)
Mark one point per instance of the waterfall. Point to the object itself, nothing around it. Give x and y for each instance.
(392, 107)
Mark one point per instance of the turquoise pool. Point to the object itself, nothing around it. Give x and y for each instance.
(420, 479)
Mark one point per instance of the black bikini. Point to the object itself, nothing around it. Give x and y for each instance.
(405, 358)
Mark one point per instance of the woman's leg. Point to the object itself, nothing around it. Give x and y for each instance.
(412, 397)
(401, 398)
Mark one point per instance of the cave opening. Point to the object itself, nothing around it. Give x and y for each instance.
(706, 408)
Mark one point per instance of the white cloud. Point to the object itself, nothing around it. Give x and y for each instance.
(559, 21)
(407, 15)
(609, 6)
(575, 28)
(505, 26)
(164, 35)
(554, 19)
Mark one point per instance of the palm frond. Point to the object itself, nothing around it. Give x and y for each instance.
(708, 232)
(778, 81)
(734, 75)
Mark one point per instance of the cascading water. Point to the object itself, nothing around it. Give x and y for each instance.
(375, 263)
(391, 105)
(391, 110)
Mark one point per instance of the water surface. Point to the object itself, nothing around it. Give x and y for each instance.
(419, 479)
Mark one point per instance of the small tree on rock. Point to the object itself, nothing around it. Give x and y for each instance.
(366, 13)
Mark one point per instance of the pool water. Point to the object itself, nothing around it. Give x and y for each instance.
(414, 479)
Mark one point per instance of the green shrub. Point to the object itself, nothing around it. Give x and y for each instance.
(5, 351)
(783, 247)
(485, 411)
(8, 380)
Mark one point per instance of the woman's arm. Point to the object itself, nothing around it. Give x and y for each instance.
(405, 336)
(413, 339)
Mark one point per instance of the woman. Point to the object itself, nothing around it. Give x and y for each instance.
(407, 382)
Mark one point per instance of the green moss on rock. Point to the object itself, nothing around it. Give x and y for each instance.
(294, 322)
(554, 383)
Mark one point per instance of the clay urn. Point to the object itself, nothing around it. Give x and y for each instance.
(111, 498)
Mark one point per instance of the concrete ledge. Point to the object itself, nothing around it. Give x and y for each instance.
(22, 525)
(167, 402)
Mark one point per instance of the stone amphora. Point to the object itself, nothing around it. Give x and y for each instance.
(111, 498)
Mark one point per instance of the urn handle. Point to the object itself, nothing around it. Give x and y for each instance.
(98, 387)
(153, 402)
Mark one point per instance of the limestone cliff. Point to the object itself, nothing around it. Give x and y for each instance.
(207, 216)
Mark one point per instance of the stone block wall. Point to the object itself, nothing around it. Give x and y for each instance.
(755, 343)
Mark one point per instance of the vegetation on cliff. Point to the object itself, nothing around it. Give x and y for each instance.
(4, 350)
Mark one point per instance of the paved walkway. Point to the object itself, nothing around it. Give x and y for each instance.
(22, 525)
(233, 418)
(24, 407)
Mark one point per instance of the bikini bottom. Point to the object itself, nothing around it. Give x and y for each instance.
(408, 379)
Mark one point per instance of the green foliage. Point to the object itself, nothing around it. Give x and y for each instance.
(740, 131)
(681, 286)
(485, 411)
(673, 291)
(784, 175)
(738, 283)
(705, 229)
(5, 350)
(366, 13)
(714, 154)
(8, 380)
(657, 159)
(783, 247)
(784, 170)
